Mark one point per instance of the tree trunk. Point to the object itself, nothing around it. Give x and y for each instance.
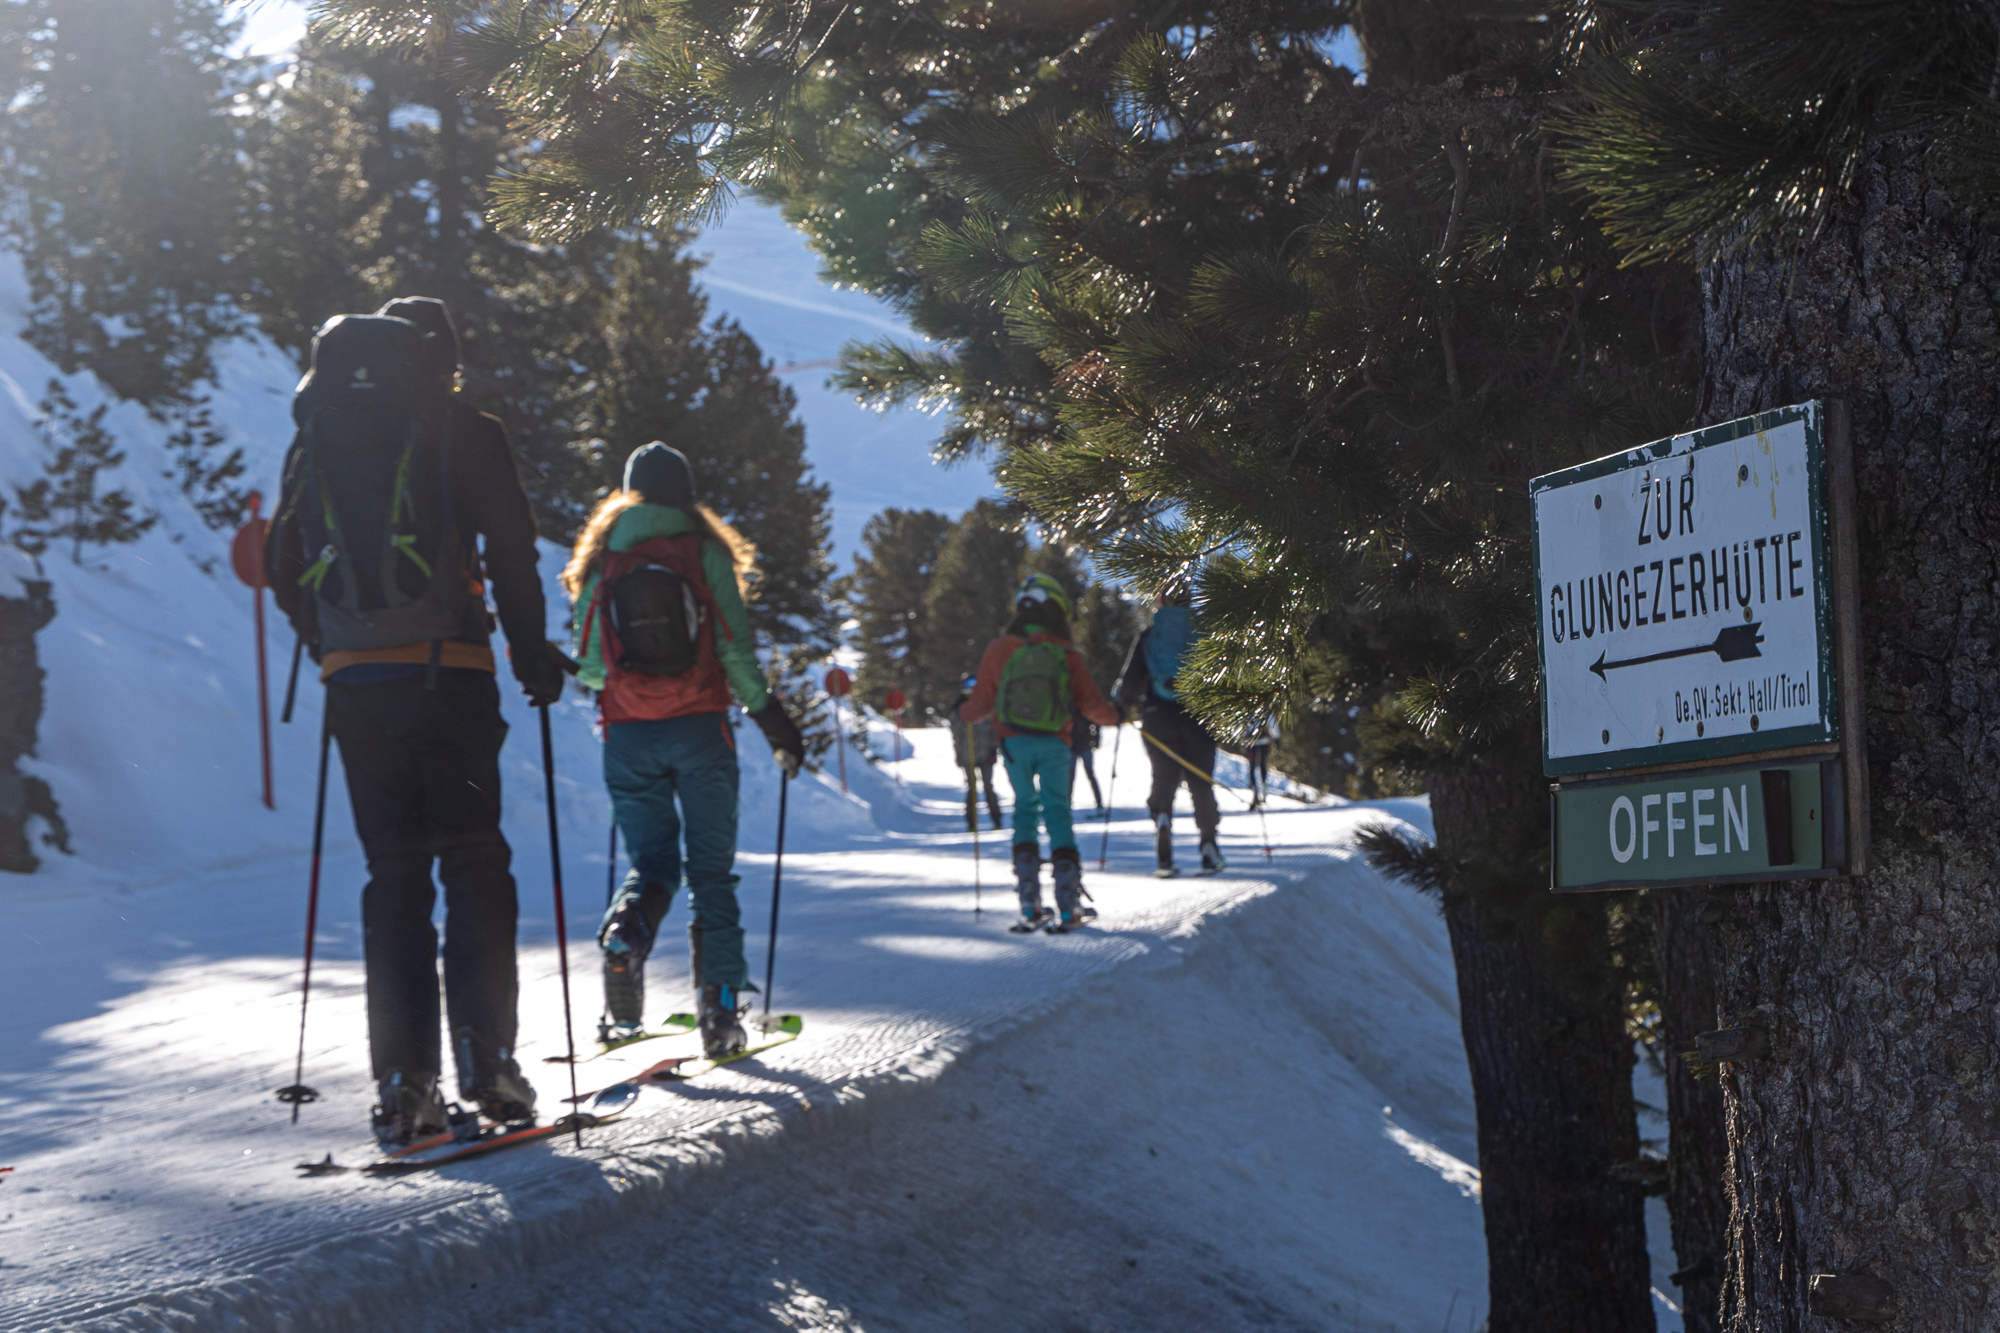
(1697, 1153)
(1867, 1144)
(1544, 1029)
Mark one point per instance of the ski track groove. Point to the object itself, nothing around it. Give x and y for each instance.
(920, 1049)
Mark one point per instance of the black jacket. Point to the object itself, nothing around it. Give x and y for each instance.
(487, 501)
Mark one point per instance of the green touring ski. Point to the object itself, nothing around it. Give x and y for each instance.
(676, 1025)
(679, 1069)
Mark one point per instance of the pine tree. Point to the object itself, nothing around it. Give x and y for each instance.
(1830, 166)
(64, 504)
(1107, 624)
(970, 599)
(885, 598)
(124, 156)
(124, 153)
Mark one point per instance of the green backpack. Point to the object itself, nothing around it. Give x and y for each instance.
(1034, 688)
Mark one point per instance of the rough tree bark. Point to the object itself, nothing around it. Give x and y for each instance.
(1867, 1145)
(1551, 1065)
(1697, 1153)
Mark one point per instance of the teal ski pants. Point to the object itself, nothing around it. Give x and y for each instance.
(1038, 768)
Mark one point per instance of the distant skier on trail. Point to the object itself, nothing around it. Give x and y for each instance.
(1030, 679)
(1083, 734)
(387, 489)
(657, 587)
(977, 762)
(1257, 755)
(1179, 747)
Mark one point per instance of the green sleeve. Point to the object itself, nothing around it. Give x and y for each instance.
(590, 657)
(736, 648)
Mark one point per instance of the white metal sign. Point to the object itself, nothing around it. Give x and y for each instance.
(1683, 598)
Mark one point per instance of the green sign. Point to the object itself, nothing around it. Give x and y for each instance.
(1701, 826)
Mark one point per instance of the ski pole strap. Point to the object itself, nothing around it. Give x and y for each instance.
(1205, 777)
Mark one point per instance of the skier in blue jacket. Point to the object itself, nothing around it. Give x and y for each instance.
(1179, 747)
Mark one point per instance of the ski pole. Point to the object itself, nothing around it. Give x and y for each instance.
(777, 883)
(972, 786)
(1110, 795)
(292, 685)
(298, 1092)
(562, 930)
(611, 874)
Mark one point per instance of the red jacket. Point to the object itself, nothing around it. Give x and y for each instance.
(979, 706)
(632, 696)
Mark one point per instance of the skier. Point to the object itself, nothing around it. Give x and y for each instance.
(1180, 748)
(1083, 736)
(387, 489)
(657, 588)
(1257, 755)
(977, 763)
(1029, 680)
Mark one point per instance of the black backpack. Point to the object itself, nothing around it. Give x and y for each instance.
(373, 500)
(653, 609)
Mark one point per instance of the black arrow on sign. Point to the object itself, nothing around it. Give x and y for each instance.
(1732, 645)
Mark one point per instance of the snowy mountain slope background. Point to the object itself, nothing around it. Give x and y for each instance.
(1242, 1102)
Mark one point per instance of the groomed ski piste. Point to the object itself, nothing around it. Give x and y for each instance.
(1234, 1102)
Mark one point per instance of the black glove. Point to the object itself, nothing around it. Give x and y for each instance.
(540, 667)
(788, 747)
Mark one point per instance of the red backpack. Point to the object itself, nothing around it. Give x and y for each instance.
(656, 618)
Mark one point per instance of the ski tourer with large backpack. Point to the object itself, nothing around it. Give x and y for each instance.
(385, 565)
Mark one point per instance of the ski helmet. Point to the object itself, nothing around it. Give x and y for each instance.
(1040, 588)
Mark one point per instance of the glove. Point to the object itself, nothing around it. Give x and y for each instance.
(540, 670)
(788, 747)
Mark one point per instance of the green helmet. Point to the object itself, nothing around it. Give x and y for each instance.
(1042, 588)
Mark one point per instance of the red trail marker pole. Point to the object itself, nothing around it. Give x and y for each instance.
(838, 683)
(246, 556)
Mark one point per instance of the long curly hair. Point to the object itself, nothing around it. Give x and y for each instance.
(587, 556)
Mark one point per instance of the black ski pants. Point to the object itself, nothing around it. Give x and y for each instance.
(1173, 734)
(423, 774)
(973, 779)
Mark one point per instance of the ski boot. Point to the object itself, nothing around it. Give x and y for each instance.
(1066, 867)
(409, 1108)
(626, 938)
(1211, 857)
(1163, 848)
(1028, 883)
(720, 1010)
(491, 1080)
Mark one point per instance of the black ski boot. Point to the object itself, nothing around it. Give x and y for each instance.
(409, 1108)
(1211, 857)
(1028, 883)
(720, 1011)
(492, 1081)
(1066, 867)
(1163, 847)
(626, 938)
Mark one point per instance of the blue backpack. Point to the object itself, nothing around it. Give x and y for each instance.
(1167, 645)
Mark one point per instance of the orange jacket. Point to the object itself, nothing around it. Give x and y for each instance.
(1082, 688)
